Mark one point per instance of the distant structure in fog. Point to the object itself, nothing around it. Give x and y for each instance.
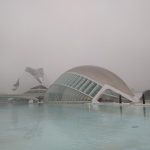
(36, 91)
(36, 74)
(89, 84)
(16, 85)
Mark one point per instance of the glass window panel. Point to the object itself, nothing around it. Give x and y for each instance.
(112, 93)
(109, 96)
(73, 79)
(90, 88)
(68, 79)
(95, 90)
(85, 85)
(62, 93)
(77, 81)
(65, 79)
(81, 83)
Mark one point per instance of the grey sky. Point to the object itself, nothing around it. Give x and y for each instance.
(60, 34)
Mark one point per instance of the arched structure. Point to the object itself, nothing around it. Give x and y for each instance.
(89, 83)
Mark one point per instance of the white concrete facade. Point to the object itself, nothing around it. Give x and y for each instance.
(108, 81)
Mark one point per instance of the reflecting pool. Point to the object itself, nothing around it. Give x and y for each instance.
(74, 127)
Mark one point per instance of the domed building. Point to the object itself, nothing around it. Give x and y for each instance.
(89, 84)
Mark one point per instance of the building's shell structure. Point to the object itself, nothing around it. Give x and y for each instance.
(89, 84)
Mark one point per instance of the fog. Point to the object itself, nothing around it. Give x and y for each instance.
(60, 34)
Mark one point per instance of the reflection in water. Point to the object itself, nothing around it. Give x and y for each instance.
(14, 117)
(120, 110)
(144, 111)
(70, 126)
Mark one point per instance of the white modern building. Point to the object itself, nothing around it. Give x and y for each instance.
(36, 91)
(89, 84)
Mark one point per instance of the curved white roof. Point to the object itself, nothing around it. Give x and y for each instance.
(103, 76)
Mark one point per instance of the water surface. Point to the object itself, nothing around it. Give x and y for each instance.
(74, 127)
